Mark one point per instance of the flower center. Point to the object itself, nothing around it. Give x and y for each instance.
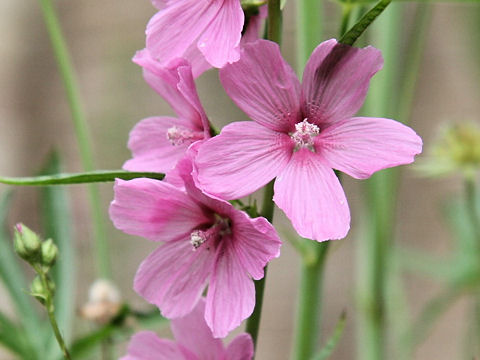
(212, 235)
(180, 135)
(304, 134)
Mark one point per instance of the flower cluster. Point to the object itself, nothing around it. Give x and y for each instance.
(300, 132)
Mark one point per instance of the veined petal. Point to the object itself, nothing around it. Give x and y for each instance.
(360, 146)
(197, 60)
(243, 158)
(175, 84)
(171, 31)
(264, 86)
(231, 294)
(336, 80)
(174, 276)
(154, 209)
(256, 242)
(241, 348)
(311, 196)
(192, 332)
(151, 149)
(219, 42)
(146, 345)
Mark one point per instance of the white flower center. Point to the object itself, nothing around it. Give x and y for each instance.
(220, 228)
(180, 135)
(304, 134)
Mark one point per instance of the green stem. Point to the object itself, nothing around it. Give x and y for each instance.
(274, 33)
(309, 304)
(346, 14)
(309, 29)
(253, 322)
(51, 314)
(80, 124)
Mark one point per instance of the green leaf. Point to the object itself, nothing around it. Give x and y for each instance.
(354, 33)
(334, 339)
(56, 211)
(80, 178)
(14, 280)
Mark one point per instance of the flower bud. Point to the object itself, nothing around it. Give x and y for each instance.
(38, 290)
(49, 253)
(27, 244)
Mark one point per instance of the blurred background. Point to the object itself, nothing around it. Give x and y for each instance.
(104, 35)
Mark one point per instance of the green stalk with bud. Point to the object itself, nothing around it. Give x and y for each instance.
(41, 255)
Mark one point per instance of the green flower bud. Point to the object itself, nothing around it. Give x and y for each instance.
(27, 244)
(38, 290)
(49, 253)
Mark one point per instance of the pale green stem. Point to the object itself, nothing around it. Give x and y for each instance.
(381, 197)
(309, 305)
(274, 33)
(81, 131)
(309, 29)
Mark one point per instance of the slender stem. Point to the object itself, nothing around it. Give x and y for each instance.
(309, 29)
(274, 33)
(51, 314)
(253, 322)
(81, 131)
(309, 304)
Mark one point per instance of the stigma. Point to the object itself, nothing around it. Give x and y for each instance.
(178, 135)
(304, 135)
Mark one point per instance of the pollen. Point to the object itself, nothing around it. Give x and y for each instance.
(304, 135)
(197, 238)
(180, 135)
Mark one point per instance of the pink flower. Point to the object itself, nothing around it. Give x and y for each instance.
(158, 143)
(212, 26)
(301, 132)
(207, 241)
(194, 341)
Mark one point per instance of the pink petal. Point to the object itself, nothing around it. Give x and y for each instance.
(256, 242)
(311, 196)
(264, 86)
(174, 276)
(146, 345)
(171, 31)
(192, 332)
(336, 80)
(241, 348)
(175, 84)
(219, 42)
(154, 209)
(361, 146)
(231, 294)
(197, 60)
(159, 4)
(151, 149)
(243, 158)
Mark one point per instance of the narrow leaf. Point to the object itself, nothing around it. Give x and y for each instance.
(334, 339)
(354, 33)
(58, 226)
(79, 178)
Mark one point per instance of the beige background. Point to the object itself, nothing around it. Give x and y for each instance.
(103, 36)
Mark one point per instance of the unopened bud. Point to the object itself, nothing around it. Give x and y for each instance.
(38, 290)
(27, 244)
(49, 253)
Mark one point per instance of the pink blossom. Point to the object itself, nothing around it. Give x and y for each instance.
(300, 132)
(158, 143)
(206, 241)
(212, 26)
(194, 341)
